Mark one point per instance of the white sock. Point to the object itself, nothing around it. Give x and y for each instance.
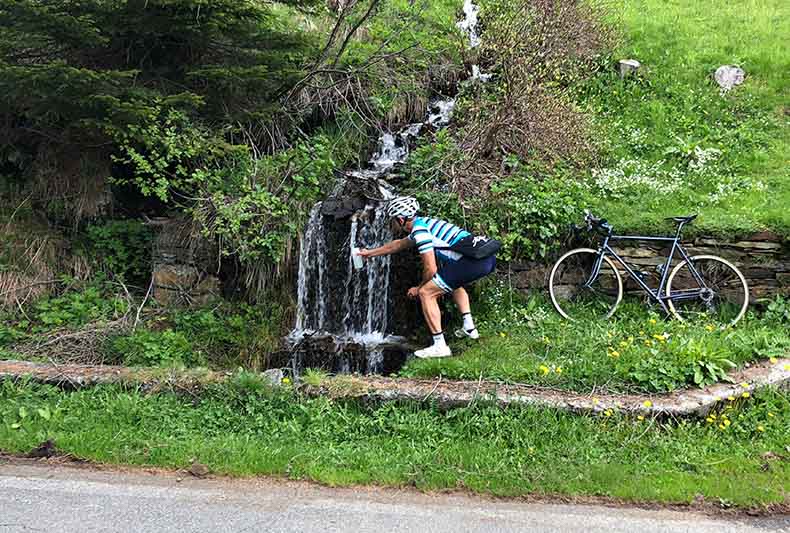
(469, 324)
(438, 339)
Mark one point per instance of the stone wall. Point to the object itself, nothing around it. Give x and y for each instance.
(180, 259)
(764, 259)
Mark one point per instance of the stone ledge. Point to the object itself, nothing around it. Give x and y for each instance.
(447, 394)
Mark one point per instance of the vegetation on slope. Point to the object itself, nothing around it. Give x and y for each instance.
(550, 137)
(736, 458)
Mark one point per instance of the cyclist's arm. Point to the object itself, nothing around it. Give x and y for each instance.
(389, 248)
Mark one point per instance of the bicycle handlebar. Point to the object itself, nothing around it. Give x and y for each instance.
(593, 222)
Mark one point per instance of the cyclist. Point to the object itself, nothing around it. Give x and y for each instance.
(444, 270)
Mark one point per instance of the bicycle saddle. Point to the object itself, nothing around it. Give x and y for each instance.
(682, 219)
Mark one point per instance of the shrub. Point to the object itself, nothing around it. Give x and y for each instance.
(123, 248)
(778, 311)
(154, 348)
(243, 335)
(75, 309)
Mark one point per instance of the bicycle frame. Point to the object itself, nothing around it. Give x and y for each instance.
(659, 294)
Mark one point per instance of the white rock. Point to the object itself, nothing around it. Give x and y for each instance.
(628, 66)
(728, 76)
(274, 375)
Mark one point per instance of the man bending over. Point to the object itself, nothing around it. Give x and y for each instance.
(444, 270)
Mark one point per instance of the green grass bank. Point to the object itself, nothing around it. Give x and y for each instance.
(674, 145)
(247, 429)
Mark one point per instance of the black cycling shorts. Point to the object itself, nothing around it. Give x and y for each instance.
(455, 274)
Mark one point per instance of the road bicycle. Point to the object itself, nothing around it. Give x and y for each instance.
(589, 283)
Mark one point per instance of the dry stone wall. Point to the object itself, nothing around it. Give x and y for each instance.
(764, 259)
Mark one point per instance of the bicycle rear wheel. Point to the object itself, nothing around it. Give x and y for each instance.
(567, 286)
(721, 299)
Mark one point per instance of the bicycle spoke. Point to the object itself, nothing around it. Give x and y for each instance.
(720, 299)
(576, 295)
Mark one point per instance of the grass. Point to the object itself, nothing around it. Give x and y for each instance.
(241, 429)
(656, 126)
(638, 350)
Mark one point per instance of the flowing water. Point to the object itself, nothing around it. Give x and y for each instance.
(359, 322)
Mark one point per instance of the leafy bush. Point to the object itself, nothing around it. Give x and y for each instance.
(532, 216)
(75, 309)
(229, 336)
(670, 366)
(123, 248)
(9, 334)
(154, 348)
(778, 311)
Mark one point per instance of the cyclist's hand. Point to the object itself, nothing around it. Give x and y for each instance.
(364, 253)
(413, 292)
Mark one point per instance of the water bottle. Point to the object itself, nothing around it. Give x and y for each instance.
(356, 258)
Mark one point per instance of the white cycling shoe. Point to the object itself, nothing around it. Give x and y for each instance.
(470, 334)
(434, 351)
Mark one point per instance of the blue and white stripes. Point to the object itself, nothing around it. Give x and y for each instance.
(431, 233)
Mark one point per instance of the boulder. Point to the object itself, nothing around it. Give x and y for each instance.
(728, 76)
(628, 67)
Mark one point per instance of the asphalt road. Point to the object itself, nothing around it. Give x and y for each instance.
(47, 498)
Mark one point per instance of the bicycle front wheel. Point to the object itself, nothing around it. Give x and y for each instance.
(721, 298)
(575, 295)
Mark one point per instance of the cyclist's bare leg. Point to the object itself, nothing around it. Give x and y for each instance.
(429, 294)
(461, 298)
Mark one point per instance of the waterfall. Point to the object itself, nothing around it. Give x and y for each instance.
(326, 268)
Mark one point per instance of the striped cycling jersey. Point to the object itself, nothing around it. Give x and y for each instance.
(431, 233)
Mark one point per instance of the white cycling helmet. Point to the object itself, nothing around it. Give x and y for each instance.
(403, 206)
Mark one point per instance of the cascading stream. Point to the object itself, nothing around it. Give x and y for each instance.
(326, 267)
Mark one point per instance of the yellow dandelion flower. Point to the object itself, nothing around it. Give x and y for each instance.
(717, 398)
(614, 353)
(760, 428)
(787, 366)
(727, 423)
(770, 415)
(709, 327)
(531, 449)
(502, 334)
(660, 338)
(641, 332)
(647, 403)
(558, 370)
(640, 418)
(709, 420)
(608, 412)
(745, 395)
(773, 360)
(721, 426)
(731, 398)
(652, 320)
(544, 369)
(595, 401)
(745, 385)
(286, 381)
(713, 416)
